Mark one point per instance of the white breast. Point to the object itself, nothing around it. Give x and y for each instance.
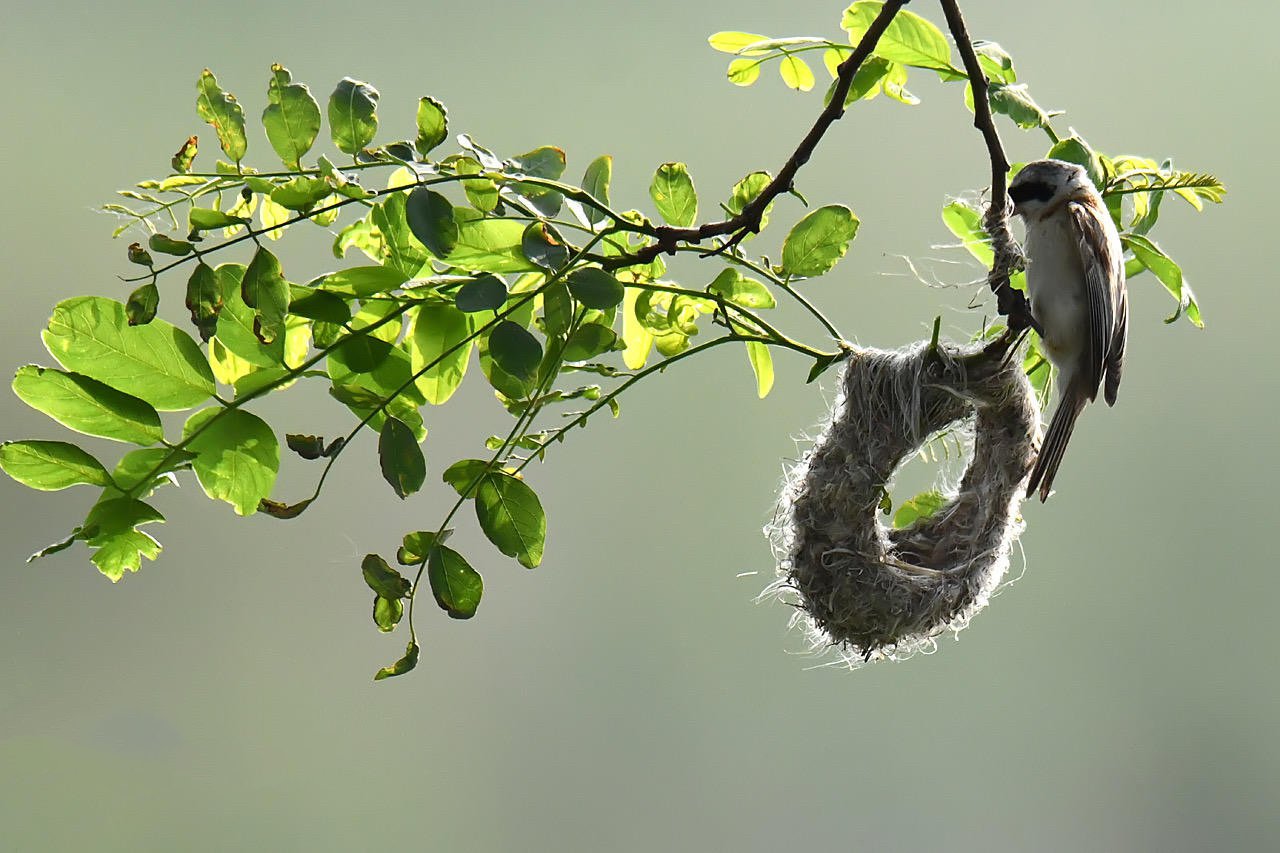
(1056, 287)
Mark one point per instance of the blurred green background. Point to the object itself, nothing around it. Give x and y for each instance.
(628, 695)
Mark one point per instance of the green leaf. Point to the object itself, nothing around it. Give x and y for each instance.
(430, 218)
(237, 456)
(588, 341)
(456, 586)
(437, 329)
(821, 365)
(557, 308)
(400, 457)
(146, 469)
(353, 115)
(740, 290)
(383, 579)
(996, 62)
(489, 245)
(301, 194)
(595, 288)
(748, 190)
(920, 508)
(236, 321)
(511, 516)
(401, 249)
(486, 293)
(515, 350)
(319, 305)
(743, 72)
(796, 74)
(204, 300)
(762, 365)
(433, 125)
(142, 305)
(596, 181)
(543, 246)
(1073, 149)
(157, 362)
(208, 219)
(400, 667)
(1169, 274)
(186, 155)
(119, 545)
(1015, 101)
(673, 193)
(732, 41)
(363, 281)
(291, 119)
(169, 246)
(818, 241)
(417, 545)
(909, 38)
(966, 223)
(51, 465)
(387, 613)
(267, 293)
(220, 109)
(546, 162)
(464, 474)
(88, 406)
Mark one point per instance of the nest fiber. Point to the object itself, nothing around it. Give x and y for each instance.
(874, 592)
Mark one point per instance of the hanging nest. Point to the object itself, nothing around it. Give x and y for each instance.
(874, 592)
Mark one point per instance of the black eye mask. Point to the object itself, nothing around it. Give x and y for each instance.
(1031, 190)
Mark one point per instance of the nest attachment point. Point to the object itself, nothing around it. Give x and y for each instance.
(874, 592)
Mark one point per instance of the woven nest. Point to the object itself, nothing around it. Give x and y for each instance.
(874, 592)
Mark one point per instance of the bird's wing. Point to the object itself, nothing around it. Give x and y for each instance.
(1100, 255)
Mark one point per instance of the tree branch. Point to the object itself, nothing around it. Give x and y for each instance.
(1011, 303)
(748, 221)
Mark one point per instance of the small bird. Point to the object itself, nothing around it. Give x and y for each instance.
(1075, 280)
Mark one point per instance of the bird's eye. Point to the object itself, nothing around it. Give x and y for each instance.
(1029, 191)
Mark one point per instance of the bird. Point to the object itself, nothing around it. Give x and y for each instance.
(1075, 282)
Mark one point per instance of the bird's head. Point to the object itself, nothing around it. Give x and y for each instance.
(1044, 185)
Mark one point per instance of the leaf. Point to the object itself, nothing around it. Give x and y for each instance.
(400, 667)
(309, 447)
(996, 62)
(402, 249)
(637, 337)
(488, 245)
(417, 545)
(433, 125)
(1073, 149)
(430, 218)
(119, 545)
(909, 38)
(515, 350)
(185, 155)
(543, 246)
(146, 469)
(546, 162)
(400, 457)
(236, 321)
(387, 613)
(267, 293)
(204, 300)
(88, 406)
(920, 508)
(363, 281)
(486, 293)
(383, 579)
(747, 190)
(291, 119)
(796, 74)
(762, 365)
(220, 109)
(51, 465)
(169, 246)
(818, 241)
(588, 341)
(511, 516)
(464, 474)
(237, 456)
(1169, 274)
(208, 219)
(732, 41)
(456, 586)
(595, 288)
(673, 193)
(301, 194)
(743, 72)
(740, 290)
(557, 308)
(1015, 101)
(437, 329)
(157, 362)
(966, 223)
(319, 305)
(353, 115)
(596, 181)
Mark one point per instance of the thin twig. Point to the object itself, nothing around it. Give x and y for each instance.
(1011, 303)
(748, 220)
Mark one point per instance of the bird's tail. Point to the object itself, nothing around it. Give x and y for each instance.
(1055, 443)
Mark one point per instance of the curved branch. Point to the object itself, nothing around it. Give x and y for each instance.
(1011, 303)
(748, 221)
